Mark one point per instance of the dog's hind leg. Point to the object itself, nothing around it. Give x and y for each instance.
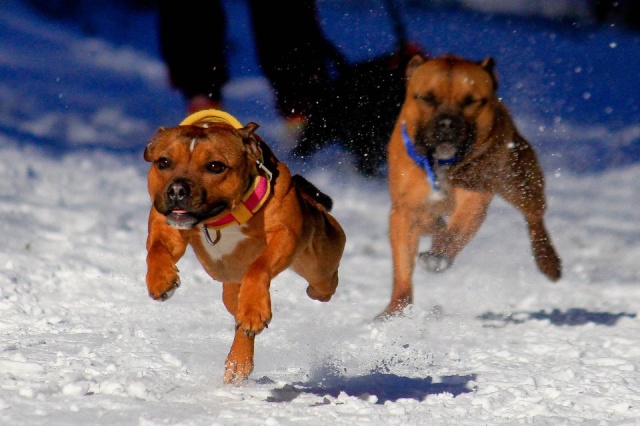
(319, 264)
(323, 290)
(239, 363)
(546, 257)
(524, 190)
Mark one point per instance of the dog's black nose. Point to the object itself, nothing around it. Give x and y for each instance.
(178, 191)
(448, 127)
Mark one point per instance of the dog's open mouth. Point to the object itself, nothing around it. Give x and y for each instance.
(445, 151)
(181, 219)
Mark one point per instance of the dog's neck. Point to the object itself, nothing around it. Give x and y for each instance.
(427, 163)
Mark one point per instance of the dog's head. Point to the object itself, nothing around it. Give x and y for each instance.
(200, 171)
(451, 102)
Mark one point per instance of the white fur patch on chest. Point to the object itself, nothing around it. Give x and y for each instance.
(229, 239)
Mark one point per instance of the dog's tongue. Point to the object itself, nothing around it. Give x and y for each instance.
(180, 219)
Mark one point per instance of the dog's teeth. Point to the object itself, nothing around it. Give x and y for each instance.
(177, 283)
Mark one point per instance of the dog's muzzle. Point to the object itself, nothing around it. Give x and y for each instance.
(448, 128)
(175, 206)
(447, 136)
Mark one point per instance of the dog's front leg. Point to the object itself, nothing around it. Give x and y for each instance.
(254, 300)
(239, 363)
(165, 246)
(468, 214)
(404, 236)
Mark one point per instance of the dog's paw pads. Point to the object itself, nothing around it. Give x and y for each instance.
(434, 262)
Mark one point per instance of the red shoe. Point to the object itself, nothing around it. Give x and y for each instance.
(296, 123)
(201, 102)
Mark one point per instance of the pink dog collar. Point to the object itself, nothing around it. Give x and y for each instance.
(252, 200)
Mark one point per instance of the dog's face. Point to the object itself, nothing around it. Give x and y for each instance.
(452, 101)
(200, 172)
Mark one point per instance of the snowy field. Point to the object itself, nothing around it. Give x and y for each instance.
(489, 342)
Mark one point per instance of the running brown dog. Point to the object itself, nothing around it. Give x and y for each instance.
(216, 186)
(455, 146)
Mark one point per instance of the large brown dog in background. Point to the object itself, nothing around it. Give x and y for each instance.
(453, 147)
(217, 187)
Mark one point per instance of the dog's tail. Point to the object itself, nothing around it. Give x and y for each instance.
(309, 191)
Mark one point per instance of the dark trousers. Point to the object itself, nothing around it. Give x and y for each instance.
(292, 50)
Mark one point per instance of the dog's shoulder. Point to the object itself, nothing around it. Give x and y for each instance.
(305, 189)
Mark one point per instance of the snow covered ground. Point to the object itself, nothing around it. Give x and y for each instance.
(491, 341)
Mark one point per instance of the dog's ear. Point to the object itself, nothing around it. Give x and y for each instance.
(152, 143)
(414, 63)
(251, 140)
(489, 65)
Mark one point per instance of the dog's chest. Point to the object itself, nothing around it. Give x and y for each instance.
(221, 243)
(226, 254)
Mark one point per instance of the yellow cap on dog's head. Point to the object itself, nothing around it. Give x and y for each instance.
(212, 116)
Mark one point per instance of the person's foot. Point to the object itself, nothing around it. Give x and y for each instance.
(201, 102)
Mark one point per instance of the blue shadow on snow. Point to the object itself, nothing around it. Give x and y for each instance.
(386, 387)
(571, 317)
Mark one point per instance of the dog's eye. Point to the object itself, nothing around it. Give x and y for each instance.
(428, 99)
(215, 167)
(163, 163)
(469, 100)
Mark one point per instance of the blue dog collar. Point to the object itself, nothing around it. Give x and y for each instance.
(425, 162)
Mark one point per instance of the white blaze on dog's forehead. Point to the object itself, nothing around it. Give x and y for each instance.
(192, 146)
(230, 237)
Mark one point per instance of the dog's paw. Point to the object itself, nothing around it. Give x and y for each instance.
(395, 309)
(252, 319)
(162, 285)
(434, 262)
